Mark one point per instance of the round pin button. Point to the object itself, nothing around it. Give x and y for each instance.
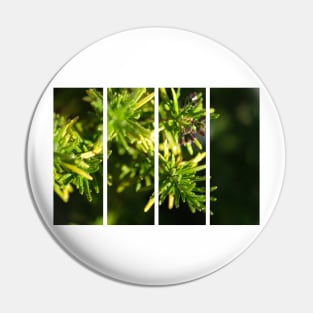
(155, 156)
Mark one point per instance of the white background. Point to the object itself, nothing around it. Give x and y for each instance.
(275, 273)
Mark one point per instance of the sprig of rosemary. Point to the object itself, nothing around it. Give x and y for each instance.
(78, 157)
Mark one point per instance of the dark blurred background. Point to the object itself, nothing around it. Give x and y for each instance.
(183, 215)
(234, 156)
(126, 207)
(68, 102)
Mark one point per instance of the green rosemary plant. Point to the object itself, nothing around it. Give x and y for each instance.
(181, 154)
(131, 140)
(78, 150)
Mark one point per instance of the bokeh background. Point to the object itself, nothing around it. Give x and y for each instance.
(127, 207)
(234, 156)
(69, 103)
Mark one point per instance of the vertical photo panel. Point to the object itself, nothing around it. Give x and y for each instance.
(130, 143)
(182, 156)
(78, 156)
(234, 156)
